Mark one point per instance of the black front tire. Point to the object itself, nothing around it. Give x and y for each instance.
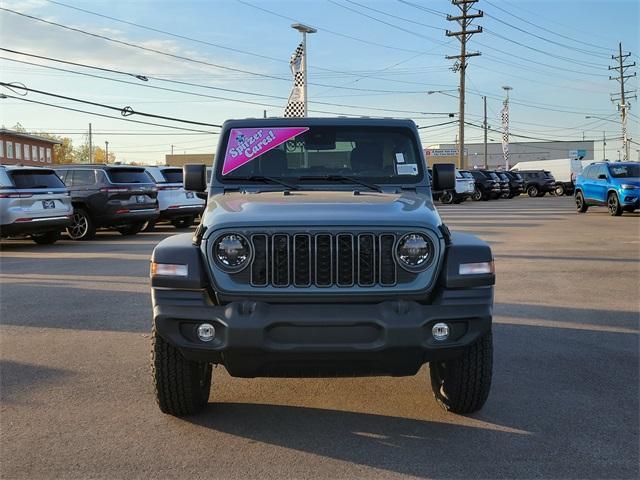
(532, 191)
(46, 238)
(560, 190)
(462, 385)
(613, 204)
(149, 226)
(181, 223)
(477, 195)
(132, 229)
(581, 205)
(182, 387)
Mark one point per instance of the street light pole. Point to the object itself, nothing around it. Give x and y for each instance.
(106, 151)
(484, 98)
(304, 29)
(505, 126)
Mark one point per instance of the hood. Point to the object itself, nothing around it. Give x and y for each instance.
(320, 208)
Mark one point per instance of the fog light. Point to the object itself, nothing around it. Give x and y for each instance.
(206, 332)
(440, 331)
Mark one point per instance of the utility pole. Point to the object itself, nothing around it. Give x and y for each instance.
(623, 106)
(464, 34)
(505, 127)
(171, 149)
(486, 127)
(106, 151)
(90, 146)
(604, 145)
(264, 114)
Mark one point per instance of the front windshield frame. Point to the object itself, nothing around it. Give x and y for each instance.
(324, 178)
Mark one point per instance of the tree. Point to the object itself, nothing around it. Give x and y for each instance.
(99, 156)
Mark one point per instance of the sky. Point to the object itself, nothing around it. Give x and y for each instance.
(220, 59)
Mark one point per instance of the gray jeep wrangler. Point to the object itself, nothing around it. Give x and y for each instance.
(320, 254)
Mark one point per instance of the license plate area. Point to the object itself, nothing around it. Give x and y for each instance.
(46, 204)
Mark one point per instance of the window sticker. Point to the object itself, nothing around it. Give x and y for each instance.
(407, 169)
(246, 144)
(399, 157)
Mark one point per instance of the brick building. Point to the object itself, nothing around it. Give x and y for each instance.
(25, 149)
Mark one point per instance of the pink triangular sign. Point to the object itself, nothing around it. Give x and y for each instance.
(246, 144)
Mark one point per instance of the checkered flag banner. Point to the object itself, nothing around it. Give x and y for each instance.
(505, 132)
(295, 105)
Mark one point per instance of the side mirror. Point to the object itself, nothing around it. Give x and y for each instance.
(444, 176)
(195, 178)
(602, 176)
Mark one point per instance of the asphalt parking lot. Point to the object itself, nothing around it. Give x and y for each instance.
(77, 400)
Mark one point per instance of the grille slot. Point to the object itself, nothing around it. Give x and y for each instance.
(302, 260)
(280, 260)
(324, 265)
(366, 260)
(344, 260)
(387, 262)
(260, 264)
(323, 260)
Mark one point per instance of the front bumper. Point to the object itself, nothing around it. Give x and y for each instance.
(255, 338)
(36, 225)
(629, 198)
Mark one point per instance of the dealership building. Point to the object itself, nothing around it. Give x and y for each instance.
(518, 152)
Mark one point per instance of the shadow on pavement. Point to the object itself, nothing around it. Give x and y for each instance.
(18, 379)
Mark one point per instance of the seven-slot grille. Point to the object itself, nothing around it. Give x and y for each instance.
(323, 259)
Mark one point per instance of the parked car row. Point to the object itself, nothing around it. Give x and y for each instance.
(482, 185)
(41, 202)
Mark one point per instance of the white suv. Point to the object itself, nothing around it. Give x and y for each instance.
(33, 202)
(176, 204)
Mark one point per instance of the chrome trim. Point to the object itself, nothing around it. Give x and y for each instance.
(44, 219)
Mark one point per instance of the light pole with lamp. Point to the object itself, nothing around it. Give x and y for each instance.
(304, 29)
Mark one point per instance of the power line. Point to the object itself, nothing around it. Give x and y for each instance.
(332, 32)
(392, 25)
(261, 104)
(588, 52)
(124, 111)
(103, 115)
(191, 39)
(395, 16)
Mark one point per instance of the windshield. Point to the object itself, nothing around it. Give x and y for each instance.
(466, 174)
(625, 171)
(503, 177)
(321, 154)
(494, 176)
(36, 179)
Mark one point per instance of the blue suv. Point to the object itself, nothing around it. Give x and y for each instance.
(616, 185)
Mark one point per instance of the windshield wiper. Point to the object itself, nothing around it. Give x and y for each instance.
(262, 178)
(343, 178)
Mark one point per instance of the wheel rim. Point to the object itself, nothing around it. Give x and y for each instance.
(533, 191)
(79, 227)
(613, 203)
(446, 197)
(579, 201)
(476, 195)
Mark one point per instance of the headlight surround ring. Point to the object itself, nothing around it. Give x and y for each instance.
(232, 252)
(414, 251)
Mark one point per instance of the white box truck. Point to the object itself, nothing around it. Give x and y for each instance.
(564, 170)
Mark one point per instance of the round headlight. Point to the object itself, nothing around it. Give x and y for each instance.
(232, 251)
(414, 251)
